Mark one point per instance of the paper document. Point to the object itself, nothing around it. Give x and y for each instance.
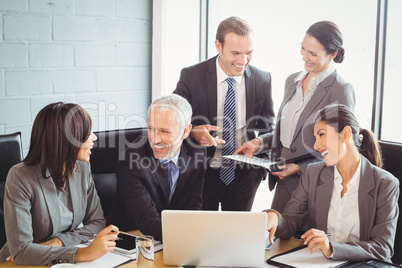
(113, 259)
(303, 258)
(254, 161)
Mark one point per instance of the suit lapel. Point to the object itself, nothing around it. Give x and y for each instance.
(184, 161)
(76, 197)
(276, 144)
(50, 195)
(157, 173)
(250, 93)
(307, 116)
(290, 91)
(212, 90)
(324, 193)
(366, 198)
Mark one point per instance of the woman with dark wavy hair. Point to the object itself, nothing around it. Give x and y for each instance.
(50, 201)
(348, 195)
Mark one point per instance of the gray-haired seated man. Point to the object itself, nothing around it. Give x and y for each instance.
(164, 170)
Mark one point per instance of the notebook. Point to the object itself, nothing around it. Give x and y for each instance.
(272, 166)
(213, 238)
(301, 257)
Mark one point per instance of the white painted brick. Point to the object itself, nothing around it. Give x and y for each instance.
(13, 55)
(2, 93)
(133, 55)
(14, 5)
(95, 7)
(14, 111)
(143, 78)
(52, 6)
(131, 120)
(142, 31)
(38, 103)
(131, 103)
(98, 104)
(115, 30)
(73, 28)
(115, 79)
(74, 81)
(2, 130)
(51, 55)
(20, 83)
(133, 8)
(132, 108)
(27, 27)
(95, 55)
(1, 27)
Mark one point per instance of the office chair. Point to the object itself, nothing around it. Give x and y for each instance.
(10, 154)
(106, 152)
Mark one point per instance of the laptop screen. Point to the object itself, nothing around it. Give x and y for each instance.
(213, 238)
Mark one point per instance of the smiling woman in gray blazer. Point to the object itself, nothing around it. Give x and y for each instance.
(305, 93)
(348, 195)
(50, 202)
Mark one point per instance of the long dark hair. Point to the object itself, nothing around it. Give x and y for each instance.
(329, 36)
(339, 116)
(57, 134)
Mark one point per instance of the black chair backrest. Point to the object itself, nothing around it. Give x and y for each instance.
(392, 155)
(10, 154)
(107, 149)
(109, 146)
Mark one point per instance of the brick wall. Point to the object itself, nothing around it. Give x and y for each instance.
(96, 53)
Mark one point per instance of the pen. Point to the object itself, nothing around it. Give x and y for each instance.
(94, 235)
(299, 236)
(327, 234)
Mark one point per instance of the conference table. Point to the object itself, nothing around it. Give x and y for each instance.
(278, 247)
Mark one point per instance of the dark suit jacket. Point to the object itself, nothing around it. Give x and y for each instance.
(198, 84)
(378, 210)
(331, 90)
(143, 189)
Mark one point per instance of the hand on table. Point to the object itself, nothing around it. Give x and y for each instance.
(102, 244)
(317, 239)
(272, 224)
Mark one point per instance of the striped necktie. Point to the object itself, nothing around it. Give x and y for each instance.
(168, 167)
(227, 171)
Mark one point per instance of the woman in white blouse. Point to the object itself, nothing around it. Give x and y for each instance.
(348, 195)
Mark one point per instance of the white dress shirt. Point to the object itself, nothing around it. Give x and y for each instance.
(343, 214)
(294, 107)
(240, 89)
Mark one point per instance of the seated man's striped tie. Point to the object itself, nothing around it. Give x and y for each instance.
(227, 171)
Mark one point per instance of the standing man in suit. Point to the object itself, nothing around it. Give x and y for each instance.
(163, 171)
(231, 101)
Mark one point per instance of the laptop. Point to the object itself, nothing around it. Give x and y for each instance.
(213, 238)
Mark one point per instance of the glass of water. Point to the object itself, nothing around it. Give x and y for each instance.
(145, 251)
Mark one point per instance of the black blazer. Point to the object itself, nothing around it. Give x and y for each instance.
(143, 189)
(198, 84)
